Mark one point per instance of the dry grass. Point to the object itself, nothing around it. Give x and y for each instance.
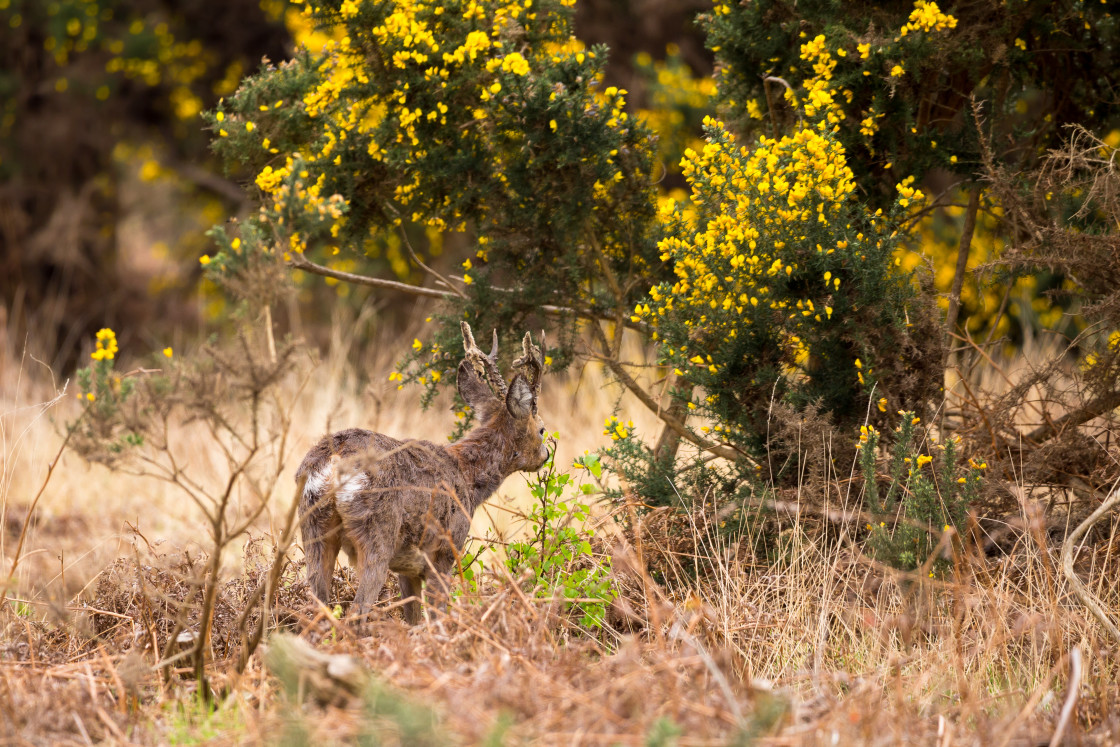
(814, 644)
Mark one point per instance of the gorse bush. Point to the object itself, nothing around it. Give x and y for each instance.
(785, 286)
(482, 118)
(786, 290)
(897, 78)
(935, 90)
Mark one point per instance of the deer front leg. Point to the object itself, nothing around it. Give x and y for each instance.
(437, 586)
(437, 591)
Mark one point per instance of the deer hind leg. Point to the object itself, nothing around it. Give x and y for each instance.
(410, 594)
(321, 531)
(373, 567)
(321, 553)
(374, 539)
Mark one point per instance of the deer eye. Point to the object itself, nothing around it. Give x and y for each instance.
(542, 431)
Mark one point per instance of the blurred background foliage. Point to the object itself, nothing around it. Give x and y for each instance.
(106, 186)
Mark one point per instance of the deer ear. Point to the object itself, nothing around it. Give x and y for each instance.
(472, 389)
(519, 398)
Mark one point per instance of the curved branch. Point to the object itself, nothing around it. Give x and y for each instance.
(300, 262)
(1096, 408)
(1088, 600)
(620, 373)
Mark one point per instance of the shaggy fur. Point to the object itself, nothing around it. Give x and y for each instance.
(406, 506)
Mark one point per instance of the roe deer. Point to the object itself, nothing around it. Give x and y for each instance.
(406, 506)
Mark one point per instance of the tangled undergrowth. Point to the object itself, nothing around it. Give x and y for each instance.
(820, 642)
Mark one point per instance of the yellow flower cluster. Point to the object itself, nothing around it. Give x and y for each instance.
(106, 345)
(615, 429)
(866, 433)
(820, 98)
(926, 16)
(752, 214)
(1113, 346)
(312, 202)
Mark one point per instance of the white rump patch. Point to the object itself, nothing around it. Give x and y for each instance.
(350, 486)
(317, 480)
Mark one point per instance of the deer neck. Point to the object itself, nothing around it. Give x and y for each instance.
(480, 460)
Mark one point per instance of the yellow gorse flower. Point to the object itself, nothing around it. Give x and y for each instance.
(106, 345)
(615, 429)
(926, 16)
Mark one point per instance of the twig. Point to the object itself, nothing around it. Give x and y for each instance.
(1071, 696)
(438, 276)
(1079, 590)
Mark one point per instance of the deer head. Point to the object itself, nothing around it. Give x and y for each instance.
(509, 411)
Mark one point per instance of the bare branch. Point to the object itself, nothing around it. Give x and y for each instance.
(721, 450)
(300, 262)
(1096, 408)
(962, 262)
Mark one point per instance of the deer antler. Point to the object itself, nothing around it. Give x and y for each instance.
(486, 366)
(533, 360)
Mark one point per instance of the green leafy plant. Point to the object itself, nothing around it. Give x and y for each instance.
(558, 556)
(926, 496)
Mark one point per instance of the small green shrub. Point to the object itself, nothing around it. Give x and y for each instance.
(558, 556)
(927, 494)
